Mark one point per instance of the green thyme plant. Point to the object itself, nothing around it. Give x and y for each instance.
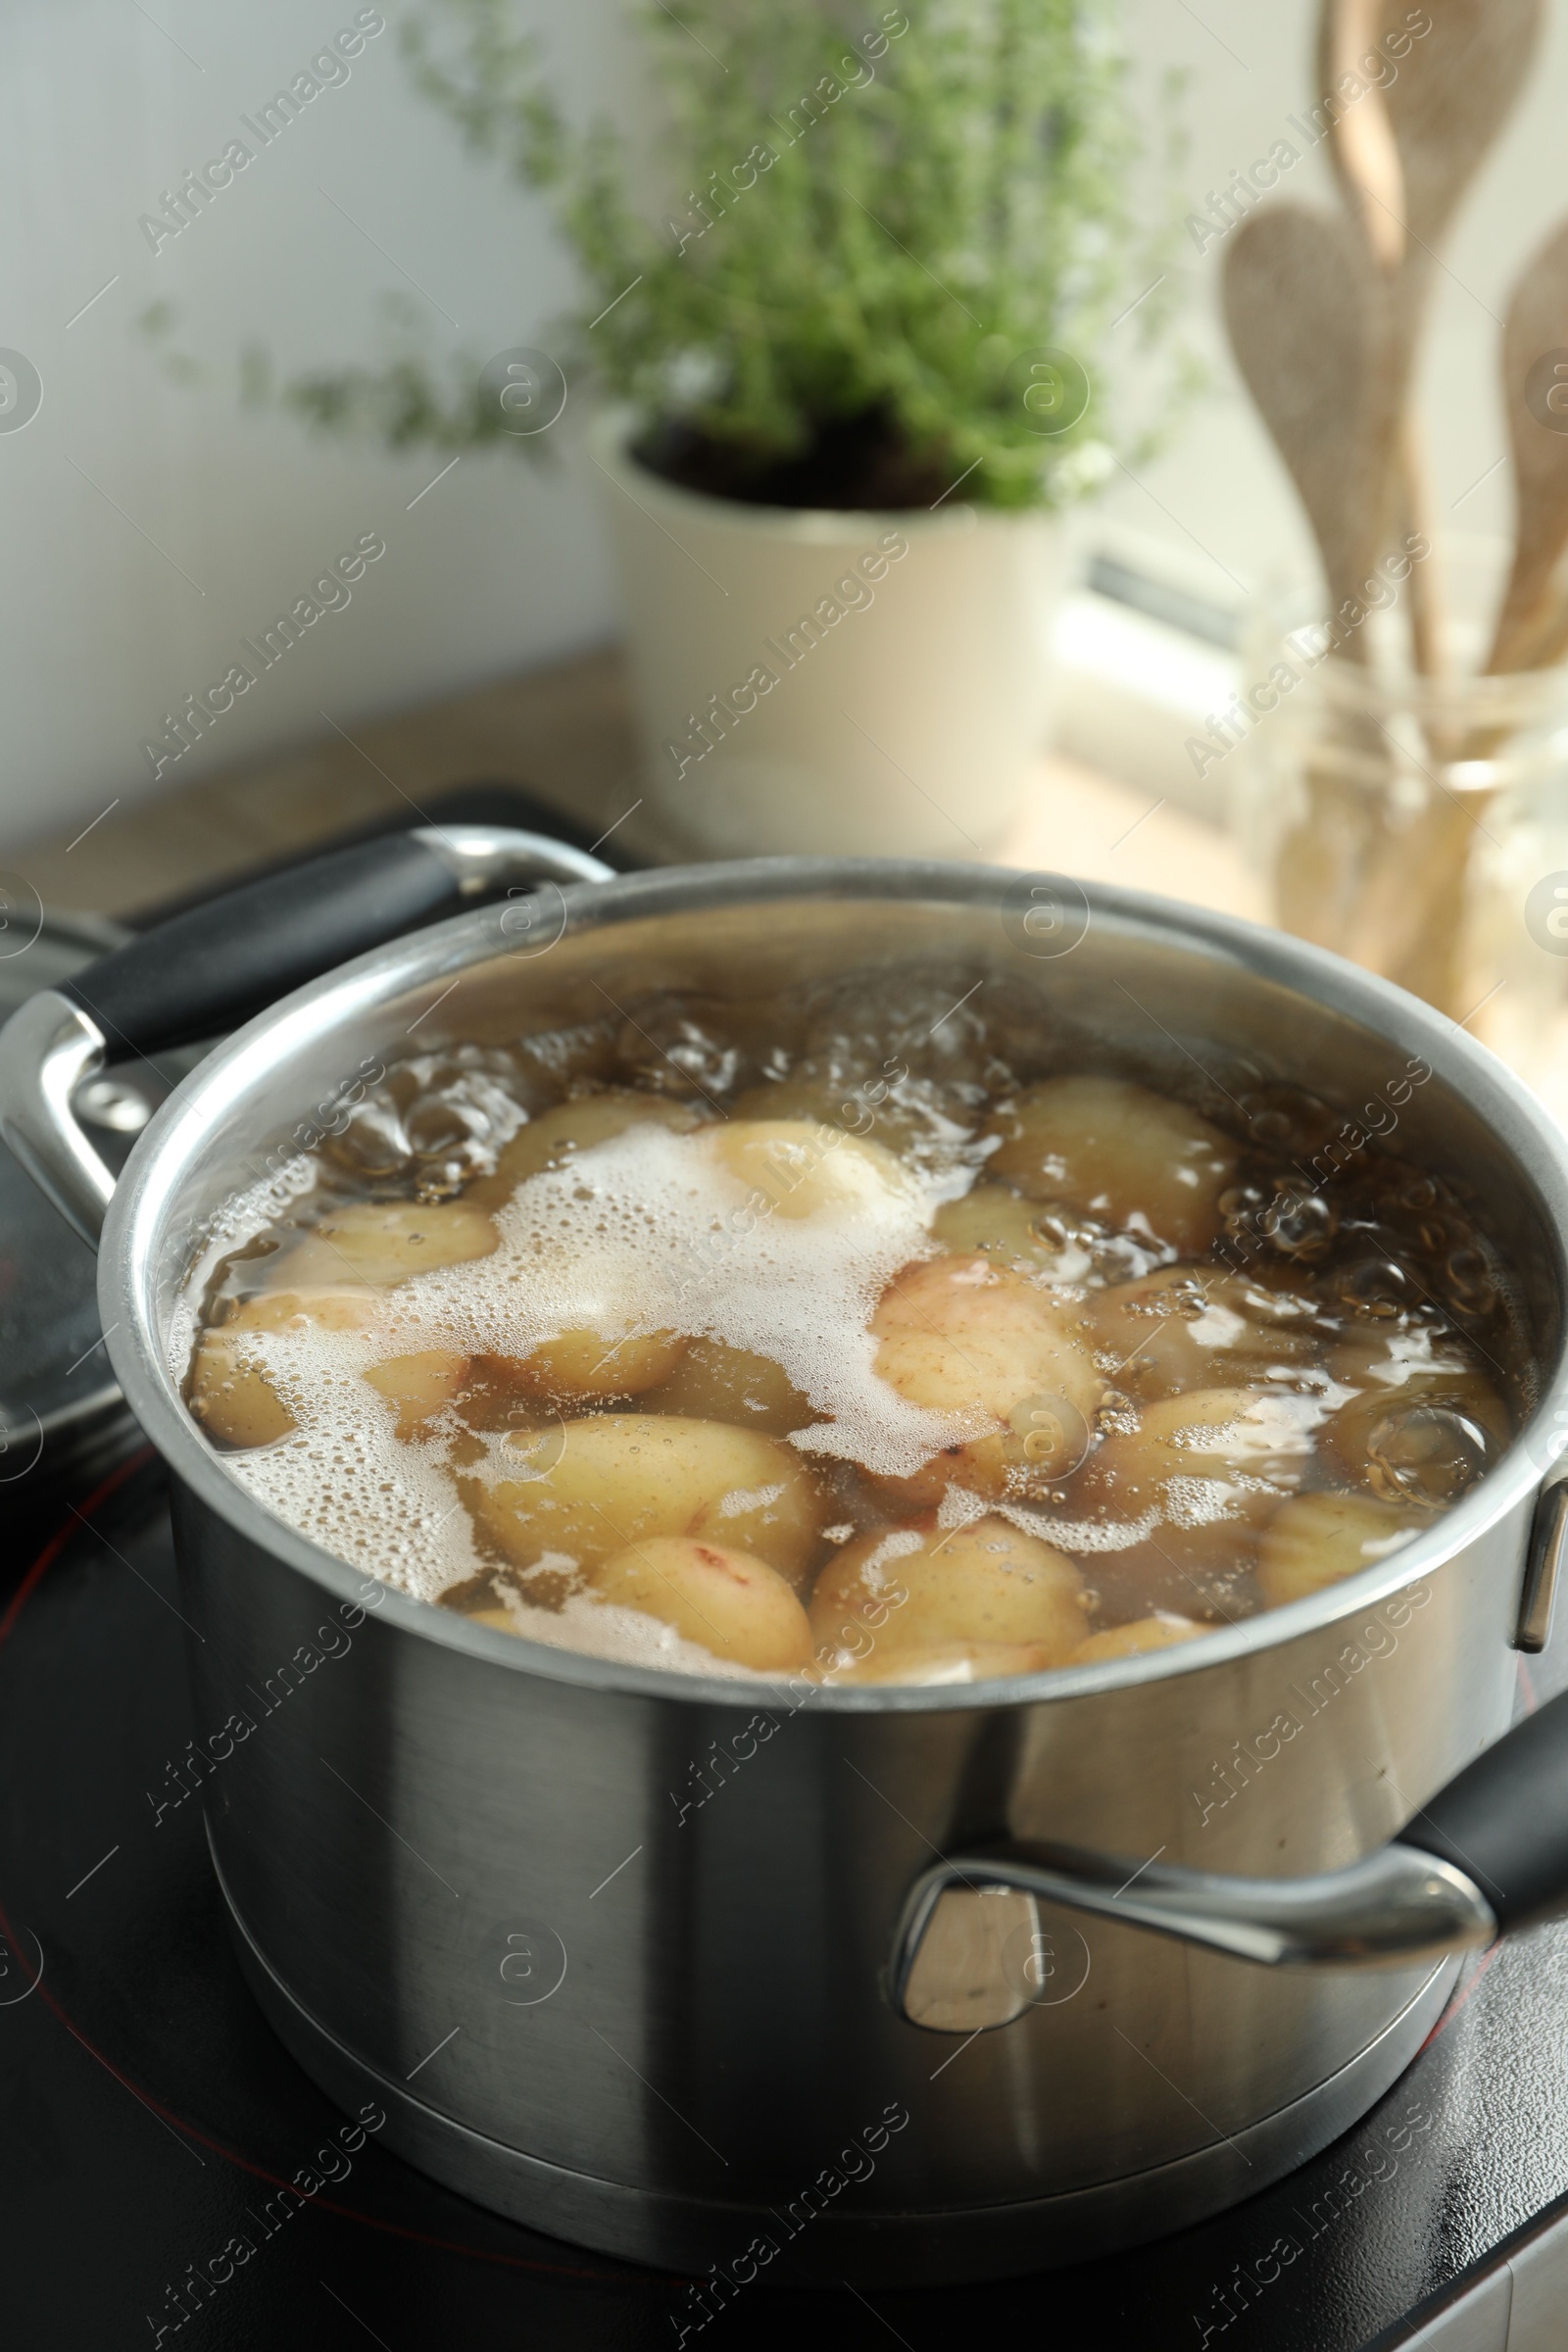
(869, 224)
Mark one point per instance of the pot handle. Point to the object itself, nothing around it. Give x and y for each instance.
(208, 969)
(1488, 1853)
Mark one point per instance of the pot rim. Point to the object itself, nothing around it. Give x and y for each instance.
(1514, 1116)
(609, 439)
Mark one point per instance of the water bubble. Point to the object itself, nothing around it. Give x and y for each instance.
(668, 1049)
(1374, 1285)
(1300, 1225)
(1241, 1204)
(1426, 1454)
(1271, 1127)
(1471, 1287)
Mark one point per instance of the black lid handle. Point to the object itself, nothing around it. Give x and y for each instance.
(211, 967)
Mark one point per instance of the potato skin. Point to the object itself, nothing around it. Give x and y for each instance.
(724, 1601)
(498, 1619)
(713, 1382)
(1317, 1539)
(558, 1135)
(984, 1583)
(855, 1107)
(233, 1400)
(801, 1169)
(1250, 1446)
(582, 1364)
(386, 1241)
(420, 1386)
(1135, 1641)
(961, 1335)
(1000, 1223)
(1119, 1151)
(614, 1480)
(1194, 1327)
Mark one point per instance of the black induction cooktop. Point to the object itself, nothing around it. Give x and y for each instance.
(148, 2118)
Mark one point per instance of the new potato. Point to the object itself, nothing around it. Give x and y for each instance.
(582, 1364)
(997, 1222)
(1163, 1631)
(724, 1599)
(984, 1583)
(716, 1382)
(1136, 1159)
(948, 1662)
(962, 1336)
(1194, 1327)
(419, 1386)
(1246, 1448)
(858, 1108)
(592, 1487)
(801, 1169)
(558, 1135)
(1317, 1538)
(382, 1242)
(234, 1399)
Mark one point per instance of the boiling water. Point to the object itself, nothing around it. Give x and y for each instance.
(925, 1360)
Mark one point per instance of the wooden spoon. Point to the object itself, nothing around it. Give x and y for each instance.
(1536, 326)
(1302, 308)
(1362, 145)
(1405, 152)
(1451, 93)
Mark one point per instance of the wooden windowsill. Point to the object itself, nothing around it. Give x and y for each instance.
(566, 732)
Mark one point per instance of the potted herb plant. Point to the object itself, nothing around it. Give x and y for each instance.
(849, 379)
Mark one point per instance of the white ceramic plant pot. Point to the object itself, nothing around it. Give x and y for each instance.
(843, 683)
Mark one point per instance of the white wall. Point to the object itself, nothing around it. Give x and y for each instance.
(500, 566)
(493, 569)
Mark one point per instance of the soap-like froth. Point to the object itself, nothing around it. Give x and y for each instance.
(646, 1231)
(650, 1232)
(344, 1478)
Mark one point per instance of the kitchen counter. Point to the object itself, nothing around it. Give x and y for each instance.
(567, 732)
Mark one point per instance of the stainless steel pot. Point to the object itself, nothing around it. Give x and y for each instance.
(888, 1983)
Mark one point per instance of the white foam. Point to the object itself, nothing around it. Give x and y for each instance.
(344, 1478)
(650, 1232)
(646, 1231)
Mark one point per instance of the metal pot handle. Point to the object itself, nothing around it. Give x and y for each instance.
(206, 970)
(1501, 1827)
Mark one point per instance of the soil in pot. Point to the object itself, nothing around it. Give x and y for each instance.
(863, 463)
